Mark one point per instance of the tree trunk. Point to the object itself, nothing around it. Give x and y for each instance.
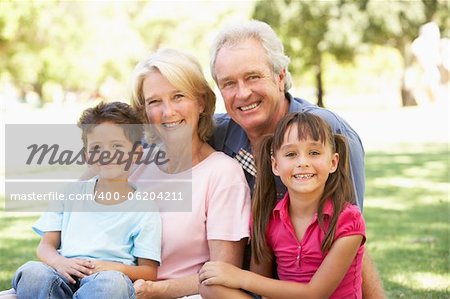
(319, 85)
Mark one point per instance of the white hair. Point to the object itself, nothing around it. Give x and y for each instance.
(235, 33)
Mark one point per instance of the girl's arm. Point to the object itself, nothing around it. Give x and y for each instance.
(145, 269)
(47, 253)
(322, 285)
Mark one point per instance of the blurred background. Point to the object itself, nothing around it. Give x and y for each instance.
(382, 65)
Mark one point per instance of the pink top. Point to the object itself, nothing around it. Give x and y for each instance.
(220, 211)
(298, 261)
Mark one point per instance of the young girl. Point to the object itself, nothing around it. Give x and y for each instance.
(314, 233)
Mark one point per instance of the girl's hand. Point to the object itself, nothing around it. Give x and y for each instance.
(220, 273)
(73, 267)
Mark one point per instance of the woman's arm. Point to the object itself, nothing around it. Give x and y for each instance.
(47, 253)
(145, 269)
(322, 285)
(228, 252)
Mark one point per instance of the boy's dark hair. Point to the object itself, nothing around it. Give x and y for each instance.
(118, 113)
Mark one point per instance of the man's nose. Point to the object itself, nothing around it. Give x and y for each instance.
(243, 91)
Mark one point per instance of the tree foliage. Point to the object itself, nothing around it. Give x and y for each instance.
(309, 29)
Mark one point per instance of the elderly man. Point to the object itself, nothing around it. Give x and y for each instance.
(251, 70)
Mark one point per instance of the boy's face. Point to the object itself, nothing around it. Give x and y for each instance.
(108, 151)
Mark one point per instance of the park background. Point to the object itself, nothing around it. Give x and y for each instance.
(353, 57)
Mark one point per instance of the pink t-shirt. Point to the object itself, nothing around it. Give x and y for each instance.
(220, 211)
(299, 260)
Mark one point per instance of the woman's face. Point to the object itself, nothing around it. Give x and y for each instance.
(169, 108)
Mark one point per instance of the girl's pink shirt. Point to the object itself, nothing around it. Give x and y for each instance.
(299, 260)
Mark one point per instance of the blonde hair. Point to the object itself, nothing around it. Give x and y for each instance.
(184, 72)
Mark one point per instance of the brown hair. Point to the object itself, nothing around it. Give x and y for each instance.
(115, 112)
(338, 187)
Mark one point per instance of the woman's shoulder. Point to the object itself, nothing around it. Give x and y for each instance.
(220, 161)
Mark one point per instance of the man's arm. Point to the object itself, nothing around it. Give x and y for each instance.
(372, 287)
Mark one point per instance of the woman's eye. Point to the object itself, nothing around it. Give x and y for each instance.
(178, 96)
(151, 102)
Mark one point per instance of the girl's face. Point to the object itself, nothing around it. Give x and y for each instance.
(304, 165)
(169, 108)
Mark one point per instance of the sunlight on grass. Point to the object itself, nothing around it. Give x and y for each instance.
(424, 280)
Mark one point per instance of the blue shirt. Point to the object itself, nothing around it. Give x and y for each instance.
(104, 232)
(229, 138)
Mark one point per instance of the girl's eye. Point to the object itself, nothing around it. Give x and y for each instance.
(289, 154)
(314, 153)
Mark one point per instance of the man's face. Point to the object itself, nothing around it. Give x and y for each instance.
(252, 93)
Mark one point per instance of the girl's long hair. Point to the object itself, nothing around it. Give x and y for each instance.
(338, 187)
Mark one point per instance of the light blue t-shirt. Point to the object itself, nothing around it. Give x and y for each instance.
(102, 232)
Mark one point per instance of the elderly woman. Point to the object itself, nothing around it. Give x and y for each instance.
(170, 91)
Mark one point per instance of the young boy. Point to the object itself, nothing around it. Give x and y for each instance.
(95, 249)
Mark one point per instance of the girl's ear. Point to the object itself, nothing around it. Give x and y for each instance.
(274, 166)
(334, 162)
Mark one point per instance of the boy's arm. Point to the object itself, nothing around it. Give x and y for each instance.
(47, 253)
(145, 269)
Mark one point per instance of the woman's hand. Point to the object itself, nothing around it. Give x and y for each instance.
(73, 267)
(149, 289)
(221, 273)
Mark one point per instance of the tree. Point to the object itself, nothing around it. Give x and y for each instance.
(396, 24)
(309, 29)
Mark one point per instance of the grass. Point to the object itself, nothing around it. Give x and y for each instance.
(406, 211)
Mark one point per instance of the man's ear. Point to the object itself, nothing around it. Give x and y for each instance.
(280, 80)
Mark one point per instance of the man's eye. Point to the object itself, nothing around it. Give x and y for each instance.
(227, 84)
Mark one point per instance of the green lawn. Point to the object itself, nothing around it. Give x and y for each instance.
(406, 211)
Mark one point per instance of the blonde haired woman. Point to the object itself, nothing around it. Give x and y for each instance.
(170, 91)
